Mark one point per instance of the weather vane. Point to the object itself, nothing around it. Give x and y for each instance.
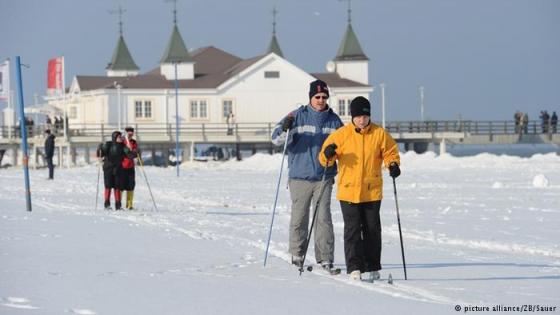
(274, 13)
(349, 10)
(174, 10)
(120, 12)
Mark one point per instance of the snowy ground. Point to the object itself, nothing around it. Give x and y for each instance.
(478, 231)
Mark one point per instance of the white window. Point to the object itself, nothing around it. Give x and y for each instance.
(73, 112)
(199, 109)
(342, 107)
(227, 107)
(143, 109)
(194, 109)
(138, 109)
(203, 109)
(148, 109)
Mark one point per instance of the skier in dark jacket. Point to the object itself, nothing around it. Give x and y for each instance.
(49, 152)
(113, 153)
(554, 122)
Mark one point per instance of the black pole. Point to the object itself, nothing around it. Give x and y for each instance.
(400, 233)
(321, 189)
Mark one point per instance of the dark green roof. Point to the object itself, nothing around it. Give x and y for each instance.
(122, 60)
(275, 47)
(176, 50)
(350, 48)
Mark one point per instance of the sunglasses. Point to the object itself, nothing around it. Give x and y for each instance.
(318, 97)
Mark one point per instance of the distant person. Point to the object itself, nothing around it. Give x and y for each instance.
(48, 122)
(56, 125)
(308, 127)
(49, 152)
(230, 120)
(521, 123)
(113, 153)
(526, 123)
(545, 120)
(517, 120)
(554, 121)
(129, 181)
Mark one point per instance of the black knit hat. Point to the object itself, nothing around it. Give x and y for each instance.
(318, 86)
(360, 106)
(129, 128)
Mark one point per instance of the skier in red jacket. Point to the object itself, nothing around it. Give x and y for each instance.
(129, 175)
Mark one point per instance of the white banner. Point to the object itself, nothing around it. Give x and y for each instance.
(5, 80)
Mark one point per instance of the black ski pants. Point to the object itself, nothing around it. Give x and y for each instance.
(362, 235)
(50, 165)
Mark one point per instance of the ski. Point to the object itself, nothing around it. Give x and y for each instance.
(332, 272)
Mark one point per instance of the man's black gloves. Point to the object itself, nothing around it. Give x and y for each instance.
(288, 122)
(330, 151)
(394, 170)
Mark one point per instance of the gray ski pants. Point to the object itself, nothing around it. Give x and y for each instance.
(304, 196)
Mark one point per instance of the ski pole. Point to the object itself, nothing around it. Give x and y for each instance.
(146, 178)
(400, 233)
(276, 198)
(321, 189)
(97, 186)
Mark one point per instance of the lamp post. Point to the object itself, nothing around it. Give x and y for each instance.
(118, 86)
(382, 86)
(177, 153)
(421, 90)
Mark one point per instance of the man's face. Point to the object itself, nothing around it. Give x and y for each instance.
(319, 101)
(119, 138)
(130, 134)
(361, 121)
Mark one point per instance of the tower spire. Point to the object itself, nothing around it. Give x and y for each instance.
(274, 46)
(120, 11)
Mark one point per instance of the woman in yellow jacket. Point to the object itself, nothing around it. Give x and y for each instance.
(361, 148)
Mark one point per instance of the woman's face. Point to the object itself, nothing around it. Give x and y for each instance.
(361, 121)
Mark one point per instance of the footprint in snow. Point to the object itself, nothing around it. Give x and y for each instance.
(17, 302)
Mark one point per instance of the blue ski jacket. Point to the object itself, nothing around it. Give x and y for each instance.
(309, 131)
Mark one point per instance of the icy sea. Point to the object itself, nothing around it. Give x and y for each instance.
(480, 232)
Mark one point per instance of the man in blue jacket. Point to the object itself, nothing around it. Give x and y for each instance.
(306, 129)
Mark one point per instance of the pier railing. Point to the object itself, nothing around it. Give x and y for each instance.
(263, 131)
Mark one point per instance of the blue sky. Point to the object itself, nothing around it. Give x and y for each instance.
(481, 59)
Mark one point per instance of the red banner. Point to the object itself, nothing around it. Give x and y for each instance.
(54, 75)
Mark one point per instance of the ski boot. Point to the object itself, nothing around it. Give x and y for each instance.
(118, 205)
(329, 267)
(371, 276)
(107, 205)
(297, 261)
(356, 275)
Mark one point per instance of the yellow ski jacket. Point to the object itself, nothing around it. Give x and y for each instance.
(360, 154)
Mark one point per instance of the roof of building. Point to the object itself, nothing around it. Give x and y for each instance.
(334, 80)
(176, 50)
(122, 59)
(350, 48)
(212, 67)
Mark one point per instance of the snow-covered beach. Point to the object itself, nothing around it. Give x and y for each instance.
(478, 231)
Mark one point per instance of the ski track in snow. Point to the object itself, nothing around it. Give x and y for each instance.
(17, 302)
(201, 212)
(81, 311)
